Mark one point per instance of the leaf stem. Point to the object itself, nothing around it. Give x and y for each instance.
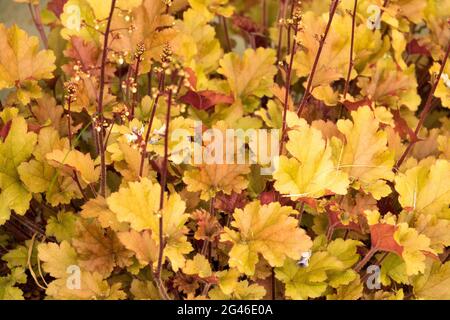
(385, 254)
(366, 259)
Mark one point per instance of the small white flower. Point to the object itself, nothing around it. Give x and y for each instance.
(135, 134)
(153, 140)
(304, 259)
(157, 134)
(161, 131)
(446, 80)
(140, 131)
(131, 137)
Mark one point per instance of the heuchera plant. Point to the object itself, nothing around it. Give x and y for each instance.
(97, 202)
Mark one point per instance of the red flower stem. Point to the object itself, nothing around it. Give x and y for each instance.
(300, 213)
(281, 15)
(288, 90)
(101, 134)
(149, 83)
(136, 73)
(159, 282)
(352, 42)
(290, 29)
(36, 16)
(225, 31)
(127, 89)
(69, 116)
(150, 123)
(425, 111)
(69, 132)
(166, 151)
(305, 97)
(108, 135)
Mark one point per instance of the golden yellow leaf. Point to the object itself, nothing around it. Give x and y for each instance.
(15, 149)
(69, 160)
(364, 154)
(99, 250)
(141, 244)
(98, 208)
(249, 75)
(434, 284)
(138, 204)
(425, 189)
(199, 265)
(268, 230)
(22, 64)
(311, 172)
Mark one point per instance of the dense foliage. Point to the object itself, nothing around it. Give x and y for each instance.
(97, 202)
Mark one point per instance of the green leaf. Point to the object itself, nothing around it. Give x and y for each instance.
(62, 226)
(15, 149)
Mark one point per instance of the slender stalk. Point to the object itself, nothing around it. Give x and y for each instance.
(300, 213)
(207, 243)
(136, 73)
(251, 39)
(264, 14)
(289, 29)
(302, 103)
(36, 16)
(30, 225)
(378, 263)
(147, 136)
(166, 151)
(150, 123)
(30, 267)
(366, 259)
(77, 182)
(352, 42)
(206, 289)
(288, 89)
(273, 282)
(69, 127)
(227, 35)
(69, 132)
(425, 111)
(161, 201)
(149, 82)
(108, 135)
(330, 232)
(281, 15)
(101, 134)
(127, 88)
(296, 19)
